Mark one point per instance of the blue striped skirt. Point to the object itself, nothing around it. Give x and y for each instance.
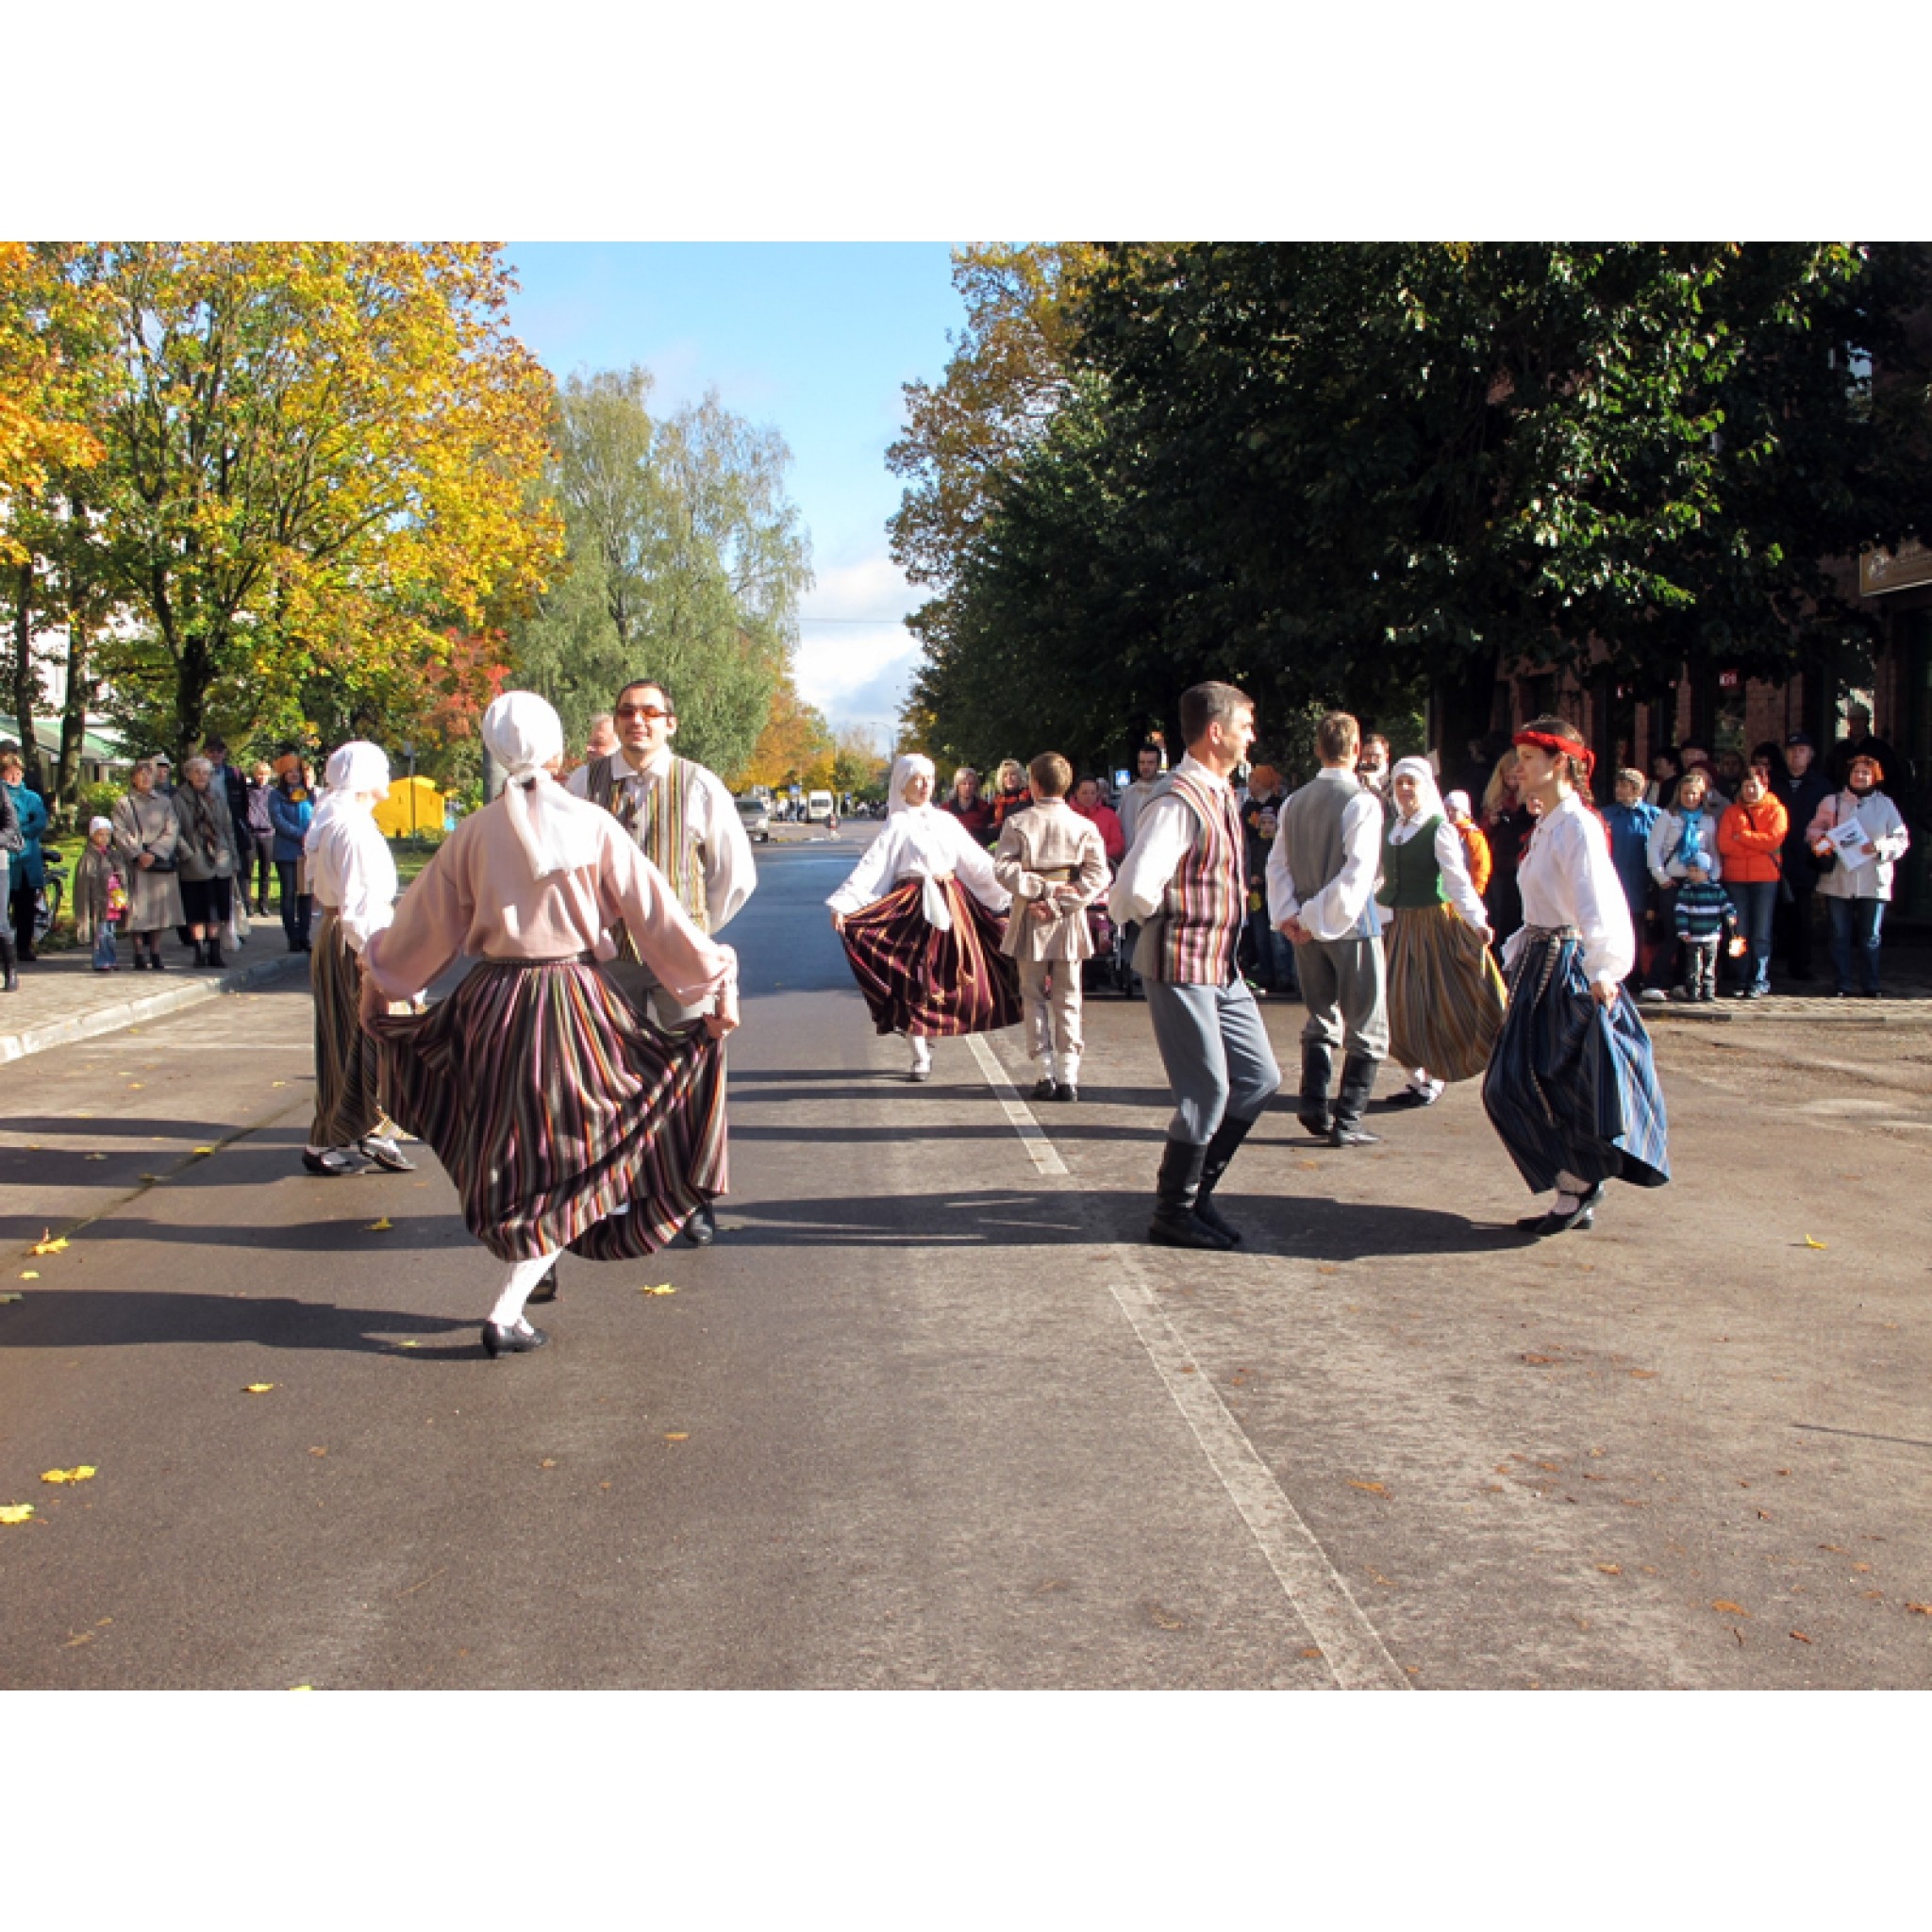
(1572, 1085)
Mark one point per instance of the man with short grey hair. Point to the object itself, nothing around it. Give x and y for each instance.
(1321, 895)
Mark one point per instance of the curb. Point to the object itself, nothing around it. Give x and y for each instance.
(169, 999)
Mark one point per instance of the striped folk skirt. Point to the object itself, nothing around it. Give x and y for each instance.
(1446, 995)
(346, 1106)
(1572, 1085)
(554, 1104)
(918, 979)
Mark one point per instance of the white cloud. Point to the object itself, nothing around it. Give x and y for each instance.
(856, 658)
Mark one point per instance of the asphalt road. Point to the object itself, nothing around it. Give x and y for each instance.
(932, 1414)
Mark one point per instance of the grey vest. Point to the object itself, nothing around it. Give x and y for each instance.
(1311, 831)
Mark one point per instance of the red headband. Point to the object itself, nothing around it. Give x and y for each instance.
(1558, 748)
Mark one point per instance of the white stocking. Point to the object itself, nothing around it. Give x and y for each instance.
(523, 1276)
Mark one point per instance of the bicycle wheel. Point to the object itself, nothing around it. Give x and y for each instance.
(46, 909)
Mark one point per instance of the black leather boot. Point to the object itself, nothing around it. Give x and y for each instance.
(214, 954)
(1221, 1149)
(1358, 1083)
(9, 976)
(1175, 1224)
(200, 954)
(1318, 1068)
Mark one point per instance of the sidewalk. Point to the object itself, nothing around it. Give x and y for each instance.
(61, 997)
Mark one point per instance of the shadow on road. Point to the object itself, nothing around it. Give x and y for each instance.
(132, 1318)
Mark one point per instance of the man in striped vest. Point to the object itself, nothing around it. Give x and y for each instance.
(1182, 882)
(686, 824)
(1322, 894)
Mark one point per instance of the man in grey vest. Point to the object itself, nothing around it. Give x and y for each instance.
(1322, 894)
(1183, 882)
(687, 824)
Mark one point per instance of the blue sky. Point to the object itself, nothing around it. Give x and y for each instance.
(814, 340)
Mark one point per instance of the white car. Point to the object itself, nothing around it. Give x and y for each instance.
(817, 808)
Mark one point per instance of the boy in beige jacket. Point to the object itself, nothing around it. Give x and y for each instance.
(1053, 863)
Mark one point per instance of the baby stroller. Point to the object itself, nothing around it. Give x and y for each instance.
(1107, 971)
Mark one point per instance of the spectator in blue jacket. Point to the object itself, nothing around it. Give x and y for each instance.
(27, 872)
(291, 805)
(1631, 821)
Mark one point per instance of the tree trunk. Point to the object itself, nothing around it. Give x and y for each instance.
(24, 687)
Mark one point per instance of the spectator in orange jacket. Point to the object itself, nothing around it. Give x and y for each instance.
(1750, 841)
(1475, 849)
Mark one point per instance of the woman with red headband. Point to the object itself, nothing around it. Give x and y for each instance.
(1571, 1087)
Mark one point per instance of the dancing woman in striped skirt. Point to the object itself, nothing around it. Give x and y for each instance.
(1445, 995)
(565, 1118)
(354, 879)
(1571, 1087)
(920, 916)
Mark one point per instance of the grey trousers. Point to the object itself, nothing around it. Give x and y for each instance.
(1344, 990)
(641, 988)
(1216, 1052)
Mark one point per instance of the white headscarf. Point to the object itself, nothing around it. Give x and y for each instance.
(907, 766)
(358, 766)
(558, 833)
(1428, 803)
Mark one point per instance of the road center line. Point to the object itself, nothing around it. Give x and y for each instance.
(1315, 1590)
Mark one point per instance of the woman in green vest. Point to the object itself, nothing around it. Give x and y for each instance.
(1445, 995)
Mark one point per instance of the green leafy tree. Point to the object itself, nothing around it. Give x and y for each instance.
(686, 562)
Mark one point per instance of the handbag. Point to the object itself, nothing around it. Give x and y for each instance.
(169, 865)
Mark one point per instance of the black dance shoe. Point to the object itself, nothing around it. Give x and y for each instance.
(514, 1341)
(1042, 1088)
(330, 1160)
(545, 1290)
(701, 1230)
(1411, 1096)
(1066, 1091)
(1582, 1217)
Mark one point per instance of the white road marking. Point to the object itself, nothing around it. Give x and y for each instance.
(1032, 1135)
(1354, 1652)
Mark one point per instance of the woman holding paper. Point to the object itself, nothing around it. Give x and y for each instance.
(1858, 838)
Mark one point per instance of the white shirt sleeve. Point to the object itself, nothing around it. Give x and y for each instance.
(1162, 835)
(972, 864)
(365, 877)
(730, 870)
(870, 879)
(1454, 867)
(1334, 912)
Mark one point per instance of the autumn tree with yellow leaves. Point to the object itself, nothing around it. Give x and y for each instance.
(319, 461)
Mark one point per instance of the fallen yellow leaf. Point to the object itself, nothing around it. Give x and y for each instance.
(277, 1083)
(301, 1686)
(381, 1226)
(97, 1156)
(1810, 1244)
(412, 1343)
(15, 1512)
(678, 1436)
(1611, 1569)
(1920, 1609)
(204, 1150)
(78, 1474)
(663, 1287)
(1725, 1604)
(47, 1244)
(256, 1388)
(1374, 1488)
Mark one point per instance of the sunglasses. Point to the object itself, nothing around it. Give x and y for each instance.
(651, 711)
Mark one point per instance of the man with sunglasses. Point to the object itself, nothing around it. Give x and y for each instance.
(687, 824)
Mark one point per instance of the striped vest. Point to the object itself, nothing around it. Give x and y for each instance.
(1411, 875)
(1191, 940)
(664, 835)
